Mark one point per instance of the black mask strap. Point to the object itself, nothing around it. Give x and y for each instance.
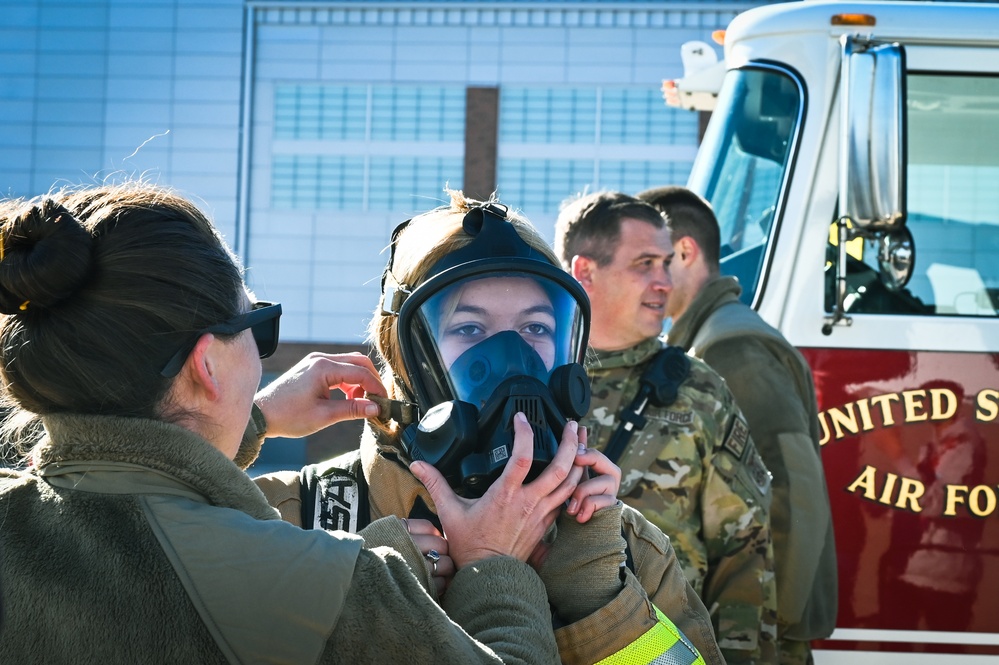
(493, 236)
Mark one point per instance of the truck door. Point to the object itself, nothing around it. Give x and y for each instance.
(908, 398)
(909, 391)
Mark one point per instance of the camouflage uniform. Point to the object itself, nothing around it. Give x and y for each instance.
(694, 472)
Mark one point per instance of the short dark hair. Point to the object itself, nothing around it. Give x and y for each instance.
(101, 286)
(688, 215)
(591, 225)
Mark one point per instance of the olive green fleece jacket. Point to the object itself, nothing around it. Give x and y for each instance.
(601, 608)
(134, 541)
(773, 386)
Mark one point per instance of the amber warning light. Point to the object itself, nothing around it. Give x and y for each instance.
(853, 19)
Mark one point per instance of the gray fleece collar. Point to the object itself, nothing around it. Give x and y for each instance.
(76, 443)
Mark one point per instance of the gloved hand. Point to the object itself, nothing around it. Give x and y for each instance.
(582, 569)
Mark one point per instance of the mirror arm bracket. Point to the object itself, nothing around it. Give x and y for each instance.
(839, 317)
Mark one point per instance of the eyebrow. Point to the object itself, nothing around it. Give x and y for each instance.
(475, 309)
(650, 255)
(540, 309)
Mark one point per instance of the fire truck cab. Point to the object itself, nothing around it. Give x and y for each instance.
(852, 159)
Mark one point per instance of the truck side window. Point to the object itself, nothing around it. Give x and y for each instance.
(953, 205)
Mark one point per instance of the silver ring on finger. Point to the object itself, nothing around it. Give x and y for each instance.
(433, 556)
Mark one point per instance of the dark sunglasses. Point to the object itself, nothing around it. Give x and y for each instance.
(263, 321)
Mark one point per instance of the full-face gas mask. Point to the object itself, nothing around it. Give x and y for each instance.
(494, 328)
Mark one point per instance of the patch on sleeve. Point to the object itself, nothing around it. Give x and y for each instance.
(738, 437)
(679, 417)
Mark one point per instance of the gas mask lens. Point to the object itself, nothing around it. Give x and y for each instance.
(494, 344)
(464, 315)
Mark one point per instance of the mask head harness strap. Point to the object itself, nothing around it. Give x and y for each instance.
(493, 236)
(394, 295)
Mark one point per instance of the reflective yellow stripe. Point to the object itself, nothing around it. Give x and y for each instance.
(663, 644)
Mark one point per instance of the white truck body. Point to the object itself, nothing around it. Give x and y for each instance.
(828, 174)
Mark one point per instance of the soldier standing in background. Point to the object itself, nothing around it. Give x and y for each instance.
(687, 460)
(773, 386)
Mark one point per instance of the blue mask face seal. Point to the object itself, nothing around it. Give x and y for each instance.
(494, 329)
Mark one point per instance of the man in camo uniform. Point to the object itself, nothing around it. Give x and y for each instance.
(693, 469)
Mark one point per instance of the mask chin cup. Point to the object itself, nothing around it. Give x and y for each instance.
(479, 470)
(471, 448)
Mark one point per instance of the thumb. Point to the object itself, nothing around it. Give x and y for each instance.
(357, 408)
(441, 493)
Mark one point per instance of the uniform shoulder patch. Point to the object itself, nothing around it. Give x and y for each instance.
(738, 438)
(740, 462)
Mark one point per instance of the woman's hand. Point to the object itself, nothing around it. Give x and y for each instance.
(511, 517)
(431, 542)
(299, 402)
(599, 489)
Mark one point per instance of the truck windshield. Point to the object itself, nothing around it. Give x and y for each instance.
(742, 166)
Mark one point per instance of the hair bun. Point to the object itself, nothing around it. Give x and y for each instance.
(45, 257)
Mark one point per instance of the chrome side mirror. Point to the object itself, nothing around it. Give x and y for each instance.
(872, 161)
(873, 139)
(896, 258)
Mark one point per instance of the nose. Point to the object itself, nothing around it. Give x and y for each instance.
(661, 280)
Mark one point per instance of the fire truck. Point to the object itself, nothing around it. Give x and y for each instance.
(852, 158)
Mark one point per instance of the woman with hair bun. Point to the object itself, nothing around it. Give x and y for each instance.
(135, 536)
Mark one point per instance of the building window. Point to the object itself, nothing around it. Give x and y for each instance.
(540, 185)
(321, 182)
(364, 148)
(609, 138)
(323, 112)
(412, 183)
(632, 177)
(401, 113)
(638, 116)
(547, 115)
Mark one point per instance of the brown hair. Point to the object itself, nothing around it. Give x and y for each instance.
(100, 286)
(591, 225)
(688, 215)
(426, 239)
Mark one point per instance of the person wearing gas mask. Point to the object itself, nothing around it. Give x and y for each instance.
(478, 328)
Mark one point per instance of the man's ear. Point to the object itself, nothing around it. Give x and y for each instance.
(581, 269)
(201, 367)
(686, 251)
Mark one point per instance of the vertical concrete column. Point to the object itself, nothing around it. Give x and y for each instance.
(481, 136)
